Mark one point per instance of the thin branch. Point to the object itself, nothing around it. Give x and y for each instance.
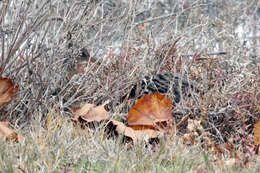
(208, 54)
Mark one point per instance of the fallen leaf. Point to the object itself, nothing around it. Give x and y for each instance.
(150, 111)
(79, 111)
(160, 113)
(135, 135)
(7, 90)
(257, 133)
(7, 133)
(90, 113)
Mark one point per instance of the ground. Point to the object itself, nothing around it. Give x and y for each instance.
(214, 43)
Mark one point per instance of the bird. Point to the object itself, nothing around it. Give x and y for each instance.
(84, 56)
(172, 85)
(79, 62)
(164, 83)
(74, 64)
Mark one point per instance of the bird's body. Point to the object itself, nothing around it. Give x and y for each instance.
(174, 86)
(165, 83)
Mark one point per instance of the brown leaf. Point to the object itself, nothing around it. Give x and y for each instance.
(135, 135)
(7, 90)
(257, 133)
(90, 113)
(8, 133)
(151, 110)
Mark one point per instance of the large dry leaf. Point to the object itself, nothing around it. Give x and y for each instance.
(257, 133)
(150, 110)
(7, 90)
(90, 113)
(135, 135)
(7, 133)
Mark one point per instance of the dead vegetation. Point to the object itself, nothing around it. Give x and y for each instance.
(41, 43)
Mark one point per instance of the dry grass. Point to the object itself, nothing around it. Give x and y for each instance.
(39, 45)
(63, 148)
(69, 150)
